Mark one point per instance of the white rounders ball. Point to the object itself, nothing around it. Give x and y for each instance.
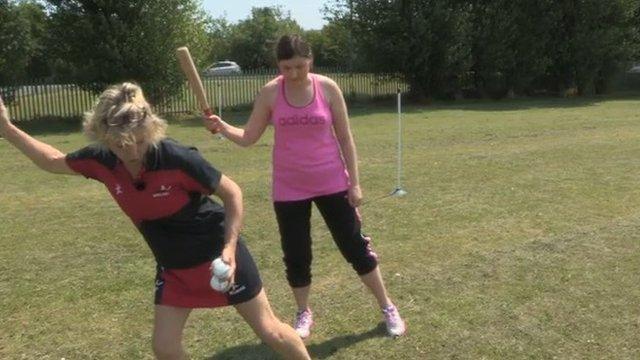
(219, 285)
(221, 269)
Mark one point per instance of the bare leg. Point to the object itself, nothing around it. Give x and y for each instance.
(373, 280)
(278, 335)
(168, 324)
(395, 325)
(302, 296)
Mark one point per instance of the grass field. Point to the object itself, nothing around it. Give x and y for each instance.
(519, 239)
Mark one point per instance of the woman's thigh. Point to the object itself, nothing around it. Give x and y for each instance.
(168, 323)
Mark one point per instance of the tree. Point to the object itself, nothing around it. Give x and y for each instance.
(425, 41)
(332, 45)
(34, 14)
(219, 33)
(17, 44)
(317, 41)
(102, 42)
(635, 42)
(253, 39)
(509, 40)
(591, 41)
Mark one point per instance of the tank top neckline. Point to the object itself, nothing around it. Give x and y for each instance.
(313, 98)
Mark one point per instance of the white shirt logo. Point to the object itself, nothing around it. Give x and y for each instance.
(164, 191)
(118, 189)
(236, 289)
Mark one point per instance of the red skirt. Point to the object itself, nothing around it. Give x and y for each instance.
(189, 288)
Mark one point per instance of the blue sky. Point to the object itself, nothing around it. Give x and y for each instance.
(308, 13)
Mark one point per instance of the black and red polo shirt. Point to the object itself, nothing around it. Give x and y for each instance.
(168, 201)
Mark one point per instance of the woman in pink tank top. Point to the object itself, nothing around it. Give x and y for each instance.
(314, 161)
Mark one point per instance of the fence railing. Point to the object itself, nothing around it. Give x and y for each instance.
(38, 99)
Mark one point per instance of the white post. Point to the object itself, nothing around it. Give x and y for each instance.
(220, 137)
(220, 100)
(399, 191)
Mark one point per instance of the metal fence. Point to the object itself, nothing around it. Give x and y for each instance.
(38, 99)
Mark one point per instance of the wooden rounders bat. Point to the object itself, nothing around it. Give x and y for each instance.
(189, 69)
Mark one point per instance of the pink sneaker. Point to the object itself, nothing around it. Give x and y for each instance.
(395, 324)
(304, 321)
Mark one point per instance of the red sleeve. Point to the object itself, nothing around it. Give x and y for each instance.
(90, 161)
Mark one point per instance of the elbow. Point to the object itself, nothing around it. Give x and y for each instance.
(345, 141)
(250, 137)
(237, 192)
(233, 196)
(48, 168)
(51, 163)
(246, 142)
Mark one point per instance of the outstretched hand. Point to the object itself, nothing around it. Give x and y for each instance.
(213, 123)
(4, 115)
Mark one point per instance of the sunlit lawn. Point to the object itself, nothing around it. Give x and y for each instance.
(519, 238)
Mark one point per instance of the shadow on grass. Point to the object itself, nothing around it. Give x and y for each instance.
(318, 351)
(528, 103)
(239, 118)
(60, 125)
(236, 118)
(51, 125)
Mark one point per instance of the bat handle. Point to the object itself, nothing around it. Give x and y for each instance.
(207, 112)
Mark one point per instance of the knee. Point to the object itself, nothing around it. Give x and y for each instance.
(365, 265)
(360, 254)
(297, 261)
(272, 333)
(165, 349)
(298, 272)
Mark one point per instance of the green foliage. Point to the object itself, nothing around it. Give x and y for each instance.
(106, 42)
(509, 40)
(318, 46)
(635, 23)
(590, 42)
(333, 45)
(219, 34)
(442, 48)
(22, 28)
(493, 48)
(423, 40)
(34, 13)
(523, 45)
(253, 39)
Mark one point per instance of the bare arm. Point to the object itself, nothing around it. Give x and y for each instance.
(253, 130)
(231, 195)
(43, 155)
(345, 138)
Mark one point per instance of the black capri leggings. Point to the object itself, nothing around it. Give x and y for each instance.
(294, 222)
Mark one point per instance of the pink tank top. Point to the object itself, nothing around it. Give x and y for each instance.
(306, 155)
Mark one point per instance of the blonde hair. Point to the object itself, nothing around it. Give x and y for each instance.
(119, 111)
